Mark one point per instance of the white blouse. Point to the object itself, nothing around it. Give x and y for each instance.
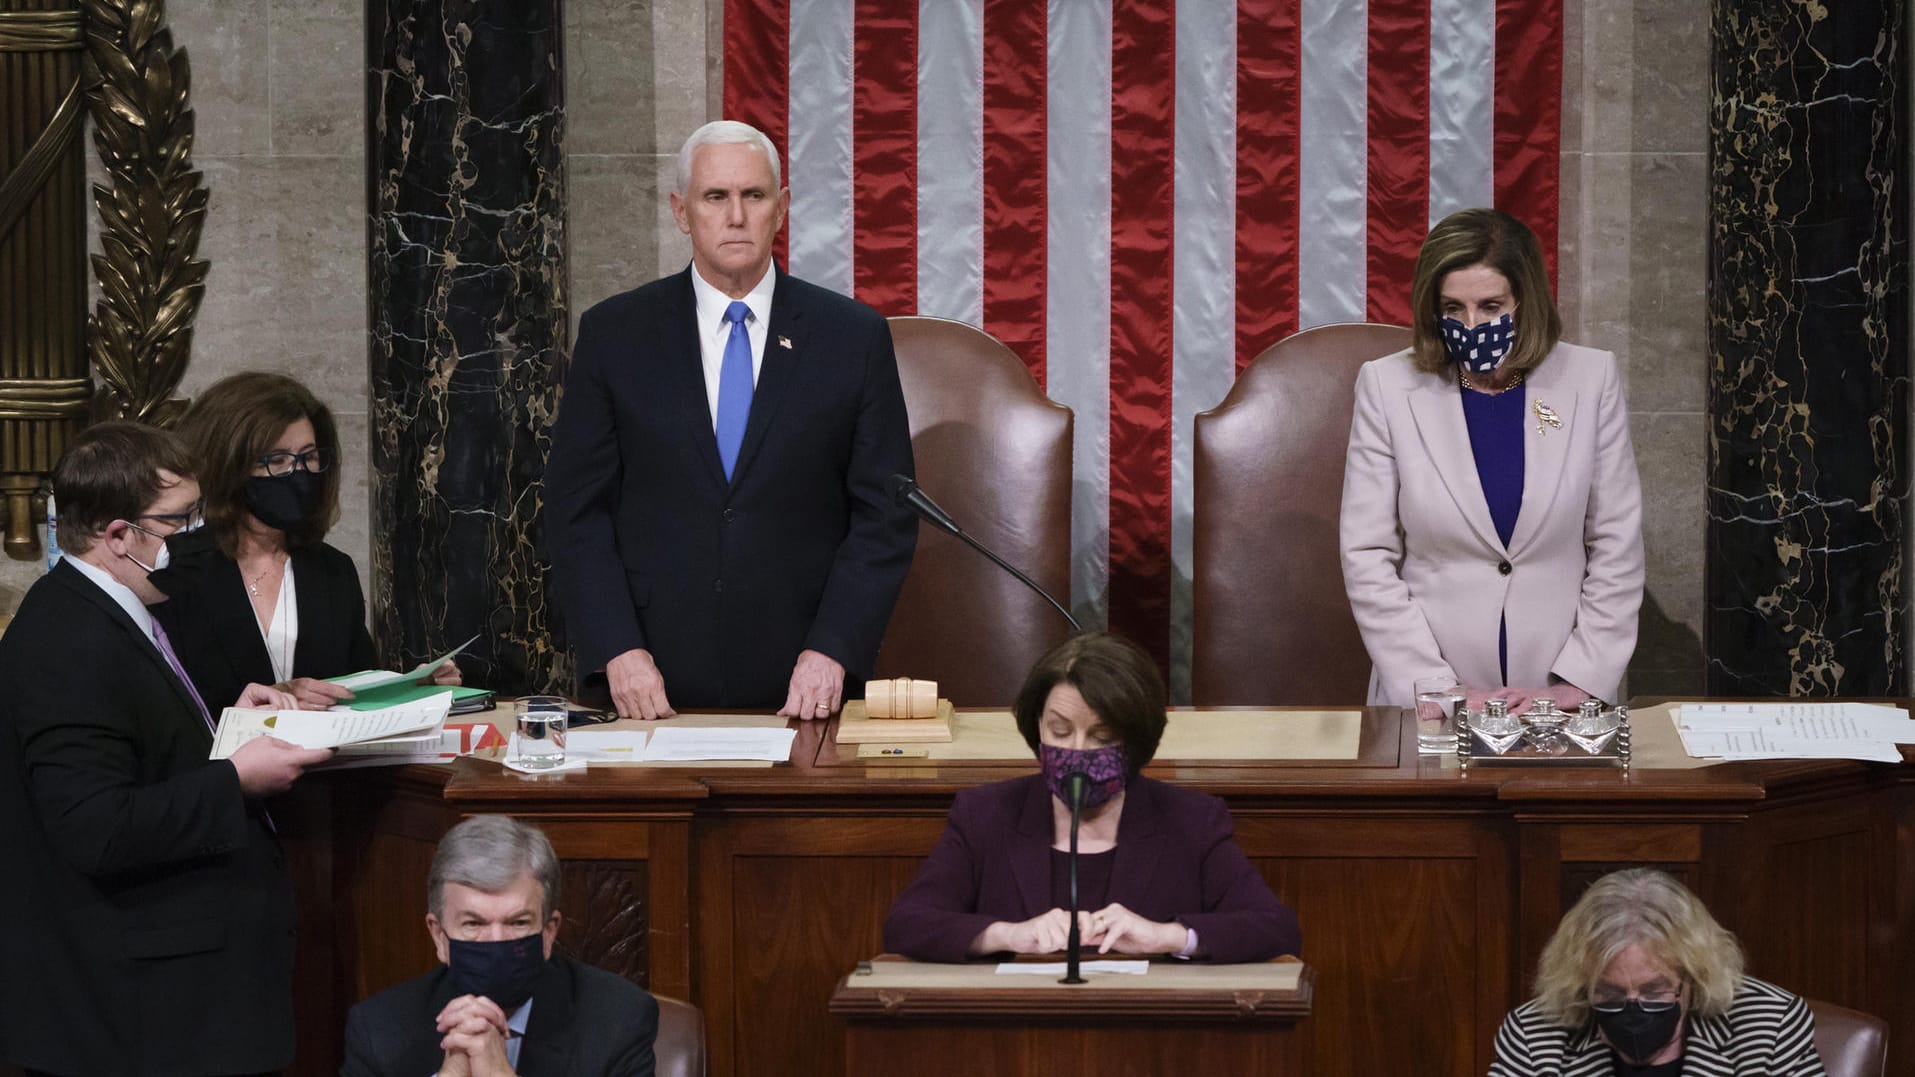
(282, 635)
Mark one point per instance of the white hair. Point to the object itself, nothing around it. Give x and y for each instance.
(724, 133)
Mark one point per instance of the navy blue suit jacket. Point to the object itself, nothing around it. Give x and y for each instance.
(1176, 860)
(724, 583)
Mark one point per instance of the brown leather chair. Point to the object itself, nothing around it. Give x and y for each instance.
(1851, 1043)
(1271, 623)
(680, 1048)
(996, 453)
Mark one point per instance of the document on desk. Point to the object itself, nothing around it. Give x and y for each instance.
(1057, 968)
(682, 744)
(606, 745)
(327, 729)
(1794, 730)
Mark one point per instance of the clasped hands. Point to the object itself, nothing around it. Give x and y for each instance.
(1111, 929)
(638, 688)
(473, 1032)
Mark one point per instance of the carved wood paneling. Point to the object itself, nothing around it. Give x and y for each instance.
(607, 915)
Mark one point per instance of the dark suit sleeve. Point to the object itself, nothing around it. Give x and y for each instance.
(361, 1055)
(1241, 920)
(581, 488)
(81, 750)
(871, 562)
(635, 1057)
(936, 917)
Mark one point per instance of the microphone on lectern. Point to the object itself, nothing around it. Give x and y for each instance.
(905, 491)
(1074, 945)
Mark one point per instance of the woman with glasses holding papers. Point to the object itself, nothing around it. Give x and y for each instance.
(258, 595)
(1158, 871)
(1640, 979)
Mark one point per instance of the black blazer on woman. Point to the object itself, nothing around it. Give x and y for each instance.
(212, 626)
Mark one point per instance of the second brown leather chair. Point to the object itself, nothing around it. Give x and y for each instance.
(679, 1050)
(1851, 1043)
(995, 453)
(1271, 621)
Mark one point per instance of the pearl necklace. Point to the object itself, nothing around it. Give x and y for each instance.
(1463, 376)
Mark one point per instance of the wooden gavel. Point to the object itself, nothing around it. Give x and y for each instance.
(900, 697)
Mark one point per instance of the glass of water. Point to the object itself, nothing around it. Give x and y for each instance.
(541, 740)
(1437, 698)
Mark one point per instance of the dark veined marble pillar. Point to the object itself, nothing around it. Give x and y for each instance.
(468, 316)
(1808, 336)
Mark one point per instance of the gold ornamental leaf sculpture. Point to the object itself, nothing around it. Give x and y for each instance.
(151, 208)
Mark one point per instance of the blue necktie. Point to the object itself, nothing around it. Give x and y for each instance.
(734, 388)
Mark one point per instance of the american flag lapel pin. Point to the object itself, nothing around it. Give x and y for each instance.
(1546, 415)
(784, 342)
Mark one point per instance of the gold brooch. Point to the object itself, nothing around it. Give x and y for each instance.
(1546, 415)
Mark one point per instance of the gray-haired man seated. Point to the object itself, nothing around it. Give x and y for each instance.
(500, 1003)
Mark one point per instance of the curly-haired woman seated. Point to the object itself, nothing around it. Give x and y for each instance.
(1640, 979)
(1158, 871)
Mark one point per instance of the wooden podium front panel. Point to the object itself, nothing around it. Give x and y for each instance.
(786, 906)
(1041, 1049)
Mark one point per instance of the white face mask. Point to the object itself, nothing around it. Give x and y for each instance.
(159, 562)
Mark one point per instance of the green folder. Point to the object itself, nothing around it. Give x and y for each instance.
(394, 694)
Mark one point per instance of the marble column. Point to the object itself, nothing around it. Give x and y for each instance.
(1808, 338)
(469, 323)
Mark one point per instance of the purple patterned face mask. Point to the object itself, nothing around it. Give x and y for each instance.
(1105, 767)
(1480, 349)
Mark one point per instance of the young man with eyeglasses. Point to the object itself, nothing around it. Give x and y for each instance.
(151, 905)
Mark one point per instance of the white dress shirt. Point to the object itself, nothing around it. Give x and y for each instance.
(282, 635)
(714, 330)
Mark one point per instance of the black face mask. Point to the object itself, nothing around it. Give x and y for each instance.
(283, 502)
(187, 555)
(1637, 1034)
(504, 971)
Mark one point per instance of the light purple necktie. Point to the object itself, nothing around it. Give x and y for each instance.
(173, 662)
(734, 388)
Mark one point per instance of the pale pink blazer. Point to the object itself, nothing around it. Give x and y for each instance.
(1427, 577)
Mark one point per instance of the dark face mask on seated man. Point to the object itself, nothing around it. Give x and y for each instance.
(283, 502)
(504, 971)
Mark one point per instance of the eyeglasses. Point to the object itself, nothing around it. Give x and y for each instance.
(1656, 1002)
(281, 463)
(181, 521)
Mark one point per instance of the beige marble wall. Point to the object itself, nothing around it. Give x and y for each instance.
(639, 77)
(1634, 249)
(278, 97)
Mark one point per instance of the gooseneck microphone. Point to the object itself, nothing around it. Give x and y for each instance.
(905, 491)
(1074, 944)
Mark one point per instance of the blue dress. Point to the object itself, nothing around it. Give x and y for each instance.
(1496, 440)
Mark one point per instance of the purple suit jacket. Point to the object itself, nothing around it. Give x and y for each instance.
(1175, 860)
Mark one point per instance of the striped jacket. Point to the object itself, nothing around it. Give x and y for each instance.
(1766, 1033)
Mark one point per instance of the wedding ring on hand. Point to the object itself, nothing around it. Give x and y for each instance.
(824, 708)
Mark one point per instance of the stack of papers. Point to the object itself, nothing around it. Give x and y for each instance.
(410, 727)
(455, 740)
(1799, 729)
(680, 744)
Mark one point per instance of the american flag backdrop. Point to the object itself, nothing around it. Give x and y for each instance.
(1138, 196)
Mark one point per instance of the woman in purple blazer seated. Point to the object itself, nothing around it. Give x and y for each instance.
(1158, 872)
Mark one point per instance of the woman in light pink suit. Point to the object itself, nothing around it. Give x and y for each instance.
(1491, 525)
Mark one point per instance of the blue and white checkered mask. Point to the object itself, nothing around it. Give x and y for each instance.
(1481, 349)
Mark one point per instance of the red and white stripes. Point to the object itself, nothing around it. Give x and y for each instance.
(1140, 195)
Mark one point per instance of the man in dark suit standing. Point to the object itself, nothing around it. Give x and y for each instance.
(717, 515)
(500, 1003)
(151, 907)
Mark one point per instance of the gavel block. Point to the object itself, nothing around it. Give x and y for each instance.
(898, 710)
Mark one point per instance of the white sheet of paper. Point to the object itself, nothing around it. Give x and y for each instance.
(1865, 719)
(379, 678)
(327, 729)
(1088, 968)
(606, 745)
(1792, 739)
(679, 744)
